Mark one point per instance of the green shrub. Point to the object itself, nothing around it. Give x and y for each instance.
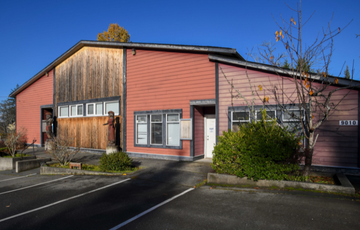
(118, 161)
(259, 150)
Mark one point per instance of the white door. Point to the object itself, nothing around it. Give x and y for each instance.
(210, 135)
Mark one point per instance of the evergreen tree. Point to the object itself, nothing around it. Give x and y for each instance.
(347, 73)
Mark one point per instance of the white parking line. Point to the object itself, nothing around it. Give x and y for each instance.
(35, 185)
(61, 201)
(18, 177)
(149, 210)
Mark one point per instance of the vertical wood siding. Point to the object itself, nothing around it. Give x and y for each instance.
(198, 131)
(86, 132)
(90, 73)
(159, 80)
(336, 145)
(28, 104)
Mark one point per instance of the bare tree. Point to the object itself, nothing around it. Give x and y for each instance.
(313, 93)
(15, 140)
(60, 149)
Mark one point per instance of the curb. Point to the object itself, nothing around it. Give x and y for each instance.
(45, 170)
(345, 187)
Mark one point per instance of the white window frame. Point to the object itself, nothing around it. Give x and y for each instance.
(104, 107)
(256, 112)
(76, 106)
(156, 122)
(59, 108)
(240, 121)
(172, 122)
(94, 104)
(136, 127)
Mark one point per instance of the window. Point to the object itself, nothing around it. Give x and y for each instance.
(63, 111)
(112, 106)
(238, 118)
(94, 109)
(289, 118)
(291, 121)
(156, 129)
(141, 130)
(172, 129)
(76, 110)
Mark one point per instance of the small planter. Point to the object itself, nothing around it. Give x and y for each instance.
(9, 163)
(344, 187)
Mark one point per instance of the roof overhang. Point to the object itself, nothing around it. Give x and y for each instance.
(281, 71)
(154, 46)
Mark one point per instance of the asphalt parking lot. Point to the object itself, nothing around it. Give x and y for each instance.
(162, 196)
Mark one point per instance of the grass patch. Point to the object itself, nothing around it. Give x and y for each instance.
(17, 155)
(3, 149)
(322, 180)
(94, 168)
(198, 185)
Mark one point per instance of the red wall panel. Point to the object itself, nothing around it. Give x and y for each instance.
(198, 131)
(336, 145)
(160, 80)
(28, 104)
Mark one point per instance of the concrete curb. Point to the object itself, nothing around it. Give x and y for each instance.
(29, 164)
(52, 170)
(345, 187)
(9, 163)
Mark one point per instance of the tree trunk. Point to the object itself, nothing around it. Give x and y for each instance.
(308, 161)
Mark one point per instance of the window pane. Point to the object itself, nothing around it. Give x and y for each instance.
(99, 107)
(141, 134)
(80, 110)
(269, 115)
(141, 118)
(156, 118)
(90, 109)
(294, 127)
(292, 115)
(64, 111)
(241, 116)
(156, 133)
(112, 106)
(73, 110)
(173, 134)
(173, 117)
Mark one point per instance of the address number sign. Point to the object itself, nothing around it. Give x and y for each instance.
(348, 122)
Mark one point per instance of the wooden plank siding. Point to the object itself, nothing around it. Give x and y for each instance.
(160, 80)
(28, 104)
(336, 145)
(90, 73)
(198, 131)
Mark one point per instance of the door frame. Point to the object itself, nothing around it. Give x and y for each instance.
(205, 119)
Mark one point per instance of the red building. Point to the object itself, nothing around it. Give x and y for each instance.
(171, 100)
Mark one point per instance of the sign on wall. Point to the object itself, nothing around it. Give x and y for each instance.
(185, 129)
(349, 122)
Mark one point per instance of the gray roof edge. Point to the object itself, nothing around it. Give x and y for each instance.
(278, 70)
(82, 43)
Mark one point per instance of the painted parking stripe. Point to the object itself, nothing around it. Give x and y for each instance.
(149, 210)
(18, 177)
(61, 201)
(15, 190)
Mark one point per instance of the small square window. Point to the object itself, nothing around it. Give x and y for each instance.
(112, 106)
(63, 111)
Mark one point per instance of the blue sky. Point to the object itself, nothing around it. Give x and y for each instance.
(34, 33)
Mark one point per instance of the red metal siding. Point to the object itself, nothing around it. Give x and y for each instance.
(159, 80)
(28, 104)
(336, 145)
